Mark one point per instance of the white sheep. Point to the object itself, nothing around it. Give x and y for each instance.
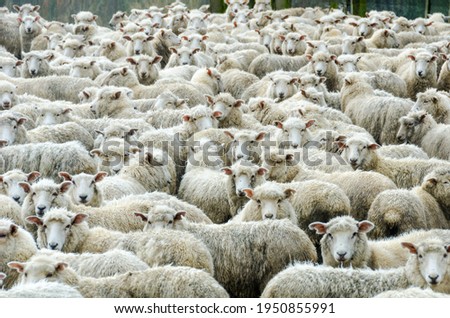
(444, 75)
(306, 280)
(268, 63)
(139, 43)
(163, 41)
(29, 29)
(36, 64)
(435, 103)
(10, 66)
(10, 183)
(86, 68)
(236, 82)
(84, 189)
(41, 289)
(402, 151)
(421, 129)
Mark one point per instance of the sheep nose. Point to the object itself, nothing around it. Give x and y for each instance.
(420, 73)
(185, 63)
(16, 198)
(295, 146)
(268, 216)
(341, 255)
(400, 138)
(41, 208)
(83, 198)
(33, 72)
(319, 72)
(53, 246)
(28, 29)
(143, 74)
(241, 193)
(353, 161)
(281, 95)
(6, 104)
(362, 33)
(111, 25)
(240, 156)
(433, 278)
(137, 52)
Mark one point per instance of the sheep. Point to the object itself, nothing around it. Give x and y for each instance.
(107, 264)
(208, 81)
(412, 292)
(51, 87)
(419, 73)
(116, 130)
(85, 68)
(444, 75)
(435, 103)
(278, 86)
(388, 82)
(16, 245)
(305, 280)
(85, 17)
(163, 41)
(8, 95)
(267, 63)
(236, 82)
(167, 281)
(41, 289)
(13, 131)
(322, 64)
(29, 29)
(84, 189)
(236, 250)
(10, 183)
(48, 158)
(401, 24)
(10, 209)
(139, 43)
(117, 18)
(10, 39)
(10, 66)
(36, 64)
(402, 151)
(145, 68)
(53, 114)
(345, 244)
(112, 50)
(353, 45)
(73, 48)
(421, 129)
(363, 27)
(265, 111)
(154, 248)
(187, 56)
(112, 102)
(124, 77)
(361, 154)
(422, 26)
(166, 100)
(383, 38)
(367, 110)
(293, 132)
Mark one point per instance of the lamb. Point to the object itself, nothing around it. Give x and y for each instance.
(123, 77)
(436, 103)
(13, 131)
(444, 75)
(177, 281)
(419, 73)
(268, 63)
(237, 249)
(41, 289)
(48, 158)
(322, 64)
(51, 87)
(106, 264)
(424, 206)
(305, 280)
(345, 244)
(10, 183)
(163, 41)
(157, 247)
(361, 154)
(16, 245)
(421, 129)
(29, 29)
(236, 82)
(367, 110)
(139, 43)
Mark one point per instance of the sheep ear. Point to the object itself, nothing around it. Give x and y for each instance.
(227, 171)
(228, 134)
(304, 93)
(95, 152)
(64, 186)
(196, 51)
(131, 61)
(309, 57)
(2, 276)
(157, 59)
(126, 37)
(186, 118)
(33, 176)
(180, 215)
(21, 121)
(365, 226)
(422, 116)
(238, 103)
(184, 37)
(25, 186)
(333, 57)
(142, 216)
(412, 57)
(321, 228)
(279, 124)
(67, 110)
(100, 176)
(59, 267)
(290, 157)
(261, 171)
(66, 176)
(217, 114)
(289, 192)
(373, 146)
(34, 220)
(262, 104)
(310, 123)
(433, 58)
(260, 136)
(77, 219)
(209, 99)
(410, 246)
(249, 193)
(430, 182)
(117, 94)
(386, 33)
(19, 267)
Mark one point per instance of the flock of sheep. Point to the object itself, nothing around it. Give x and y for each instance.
(180, 153)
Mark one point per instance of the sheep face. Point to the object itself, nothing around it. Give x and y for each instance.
(138, 42)
(195, 41)
(401, 25)
(7, 95)
(84, 186)
(200, 118)
(350, 43)
(364, 27)
(265, 38)
(314, 96)
(197, 22)
(320, 63)
(294, 132)
(161, 217)
(8, 230)
(408, 125)
(421, 26)
(167, 100)
(262, 6)
(223, 104)
(146, 67)
(34, 62)
(245, 145)
(9, 66)
(282, 87)
(73, 48)
(53, 41)
(29, 24)
(244, 175)
(276, 164)
(356, 151)
(117, 17)
(423, 64)
(170, 38)
(114, 155)
(109, 99)
(9, 128)
(294, 42)
(10, 182)
(52, 115)
(157, 19)
(83, 69)
(44, 194)
(342, 237)
(437, 184)
(185, 56)
(38, 269)
(431, 259)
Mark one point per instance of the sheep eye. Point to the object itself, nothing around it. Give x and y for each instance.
(73, 182)
(330, 236)
(15, 127)
(33, 194)
(445, 255)
(279, 201)
(258, 201)
(57, 115)
(149, 222)
(68, 227)
(26, 274)
(170, 222)
(44, 226)
(420, 256)
(55, 194)
(354, 234)
(49, 275)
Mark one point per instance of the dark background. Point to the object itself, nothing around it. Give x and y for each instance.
(62, 9)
